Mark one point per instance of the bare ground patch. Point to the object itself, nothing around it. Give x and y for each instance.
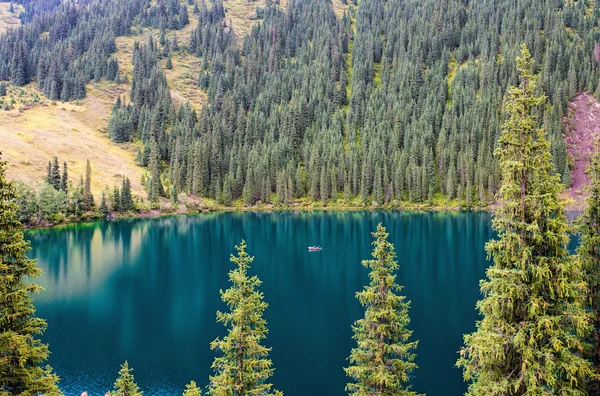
(9, 19)
(583, 126)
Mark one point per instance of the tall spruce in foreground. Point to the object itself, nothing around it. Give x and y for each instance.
(384, 358)
(21, 352)
(530, 338)
(125, 385)
(589, 257)
(242, 366)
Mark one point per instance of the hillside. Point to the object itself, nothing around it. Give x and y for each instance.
(74, 133)
(9, 19)
(34, 132)
(383, 103)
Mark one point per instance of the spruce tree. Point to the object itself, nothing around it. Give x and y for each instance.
(88, 199)
(529, 340)
(55, 175)
(49, 173)
(103, 208)
(125, 385)
(192, 389)
(156, 187)
(21, 352)
(117, 200)
(384, 358)
(64, 181)
(126, 199)
(242, 366)
(589, 257)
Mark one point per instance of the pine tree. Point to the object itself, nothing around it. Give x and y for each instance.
(227, 197)
(55, 175)
(64, 181)
(530, 338)
(49, 173)
(384, 358)
(117, 200)
(156, 187)
(126, 199)
(21, 352)
(589, 256)
(125, 385)
(88, 199)
(103, 208)
(242, 366)
(192, 389)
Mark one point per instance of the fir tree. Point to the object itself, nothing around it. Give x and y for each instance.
(103, 208)
(530, 338)
(126, 199)
(88, 199)
(192, 389)
(125, 385)
(55, 175)
(49, 173)
(117, 200)
(384, 358)
(242, 366)
(64, 181)
(21, 352)
(156, 187)
(589, 256)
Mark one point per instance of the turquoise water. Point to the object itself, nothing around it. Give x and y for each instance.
(147, 291)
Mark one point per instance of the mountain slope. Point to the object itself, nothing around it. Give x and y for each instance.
(70, 131)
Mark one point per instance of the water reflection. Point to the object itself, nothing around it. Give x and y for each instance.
(147, 291)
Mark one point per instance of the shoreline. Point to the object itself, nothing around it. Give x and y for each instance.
(209, 206)
(295, 207)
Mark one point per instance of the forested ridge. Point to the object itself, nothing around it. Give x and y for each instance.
(395, 101)
(398, 100)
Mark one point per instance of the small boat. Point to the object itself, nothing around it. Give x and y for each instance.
(315, 248)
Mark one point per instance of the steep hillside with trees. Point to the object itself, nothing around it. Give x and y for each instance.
(380, 102)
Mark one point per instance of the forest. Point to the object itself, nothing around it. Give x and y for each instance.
(538, 312)
(396, 101)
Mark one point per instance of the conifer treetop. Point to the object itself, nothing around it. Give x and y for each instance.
(243, 366)
(125, 385)
(531, 336)
(384, 357)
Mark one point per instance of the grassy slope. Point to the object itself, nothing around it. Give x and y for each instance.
(36, 130)
(7, 19)
(70, 131)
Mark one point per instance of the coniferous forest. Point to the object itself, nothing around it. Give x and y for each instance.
(388, 102)
(395, 101)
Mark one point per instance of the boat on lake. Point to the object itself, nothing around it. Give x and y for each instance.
(315, 248)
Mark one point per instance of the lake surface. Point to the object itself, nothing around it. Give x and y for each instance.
(147, 291)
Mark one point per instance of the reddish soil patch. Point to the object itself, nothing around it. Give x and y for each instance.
(582, 128)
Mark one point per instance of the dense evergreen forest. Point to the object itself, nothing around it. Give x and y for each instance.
(398, 100)
(395, 101)
(539, 322)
